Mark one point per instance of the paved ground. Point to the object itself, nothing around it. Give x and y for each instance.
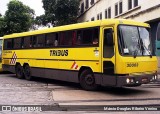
(15, 91)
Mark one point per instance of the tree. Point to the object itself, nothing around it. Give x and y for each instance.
(18, 18)
(59, 12)
(43, 20)
(2, 26)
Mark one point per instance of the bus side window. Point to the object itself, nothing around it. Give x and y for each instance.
(52, 40)
(87, 37)
(66, 38)
(22, 42)
(8, 44)
(33, 41)
(79, 37)
(61, 38)
(56, 40)
(17, 43)
(73, 38)
(95, 36)
(27, 42)
(40, 40)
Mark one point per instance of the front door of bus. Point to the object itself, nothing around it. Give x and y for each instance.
(108, 61)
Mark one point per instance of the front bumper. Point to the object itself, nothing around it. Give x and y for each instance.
(120, 81)
(135, 80)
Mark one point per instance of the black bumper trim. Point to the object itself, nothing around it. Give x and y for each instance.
(120, 81)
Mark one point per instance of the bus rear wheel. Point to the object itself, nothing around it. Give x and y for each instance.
(19, 71)
(87, 80)
(27, 72)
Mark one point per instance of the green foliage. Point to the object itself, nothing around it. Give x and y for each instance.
(18, 18)
(59, 12)
(43, 20)
(2, 26)
(66, 11)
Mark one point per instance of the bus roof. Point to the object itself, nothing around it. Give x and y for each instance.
(78, 26)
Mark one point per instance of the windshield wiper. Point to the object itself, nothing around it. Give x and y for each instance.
(143, 47)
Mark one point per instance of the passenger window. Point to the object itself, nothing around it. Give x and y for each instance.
(40, 40)
(17, 43)
(33, 41)
(27, 42)
(87, 37)
(95, 36)
(79, 37)
(52, 40)
(66, 38)
(8, 44)
(22, 42)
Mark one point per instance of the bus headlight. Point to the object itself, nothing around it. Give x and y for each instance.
(132, 80)
(128, 80)
(155, 77)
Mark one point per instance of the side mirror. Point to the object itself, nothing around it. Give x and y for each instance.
(108, 37)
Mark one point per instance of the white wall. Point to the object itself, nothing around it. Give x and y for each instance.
(102, 5)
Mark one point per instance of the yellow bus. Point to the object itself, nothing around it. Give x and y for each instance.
(1, 40)
(113, 52)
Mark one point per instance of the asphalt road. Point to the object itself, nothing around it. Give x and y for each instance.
(40, 91)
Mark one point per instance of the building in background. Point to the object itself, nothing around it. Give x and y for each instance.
(140, 10)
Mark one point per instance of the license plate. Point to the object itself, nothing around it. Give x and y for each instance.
(144, 80)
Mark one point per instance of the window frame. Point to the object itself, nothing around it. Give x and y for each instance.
(87, 4)
(43, 43)
(92, 19)
(109, 12)
(135, 3)
(82, 8)
(130, 3)
(14, 41)
(106, 13)
(120, 7)
(6, 44)
(92, 2)
(100, 16)
(116, 9)
(89, 45)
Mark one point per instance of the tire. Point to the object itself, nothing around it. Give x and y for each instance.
(27, 72)
(19, 71)
(87, 80)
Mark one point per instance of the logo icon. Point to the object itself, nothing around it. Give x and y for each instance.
(6, 108)
(74, 66)
(14, 58)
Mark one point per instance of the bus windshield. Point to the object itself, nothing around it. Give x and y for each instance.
(134, 41)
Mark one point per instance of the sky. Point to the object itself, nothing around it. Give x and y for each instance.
(34, 4)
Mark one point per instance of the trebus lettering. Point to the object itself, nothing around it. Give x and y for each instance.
(58, 52)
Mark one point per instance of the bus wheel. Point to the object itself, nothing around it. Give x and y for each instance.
(19, 71)
(27, 72)
(87, 80)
